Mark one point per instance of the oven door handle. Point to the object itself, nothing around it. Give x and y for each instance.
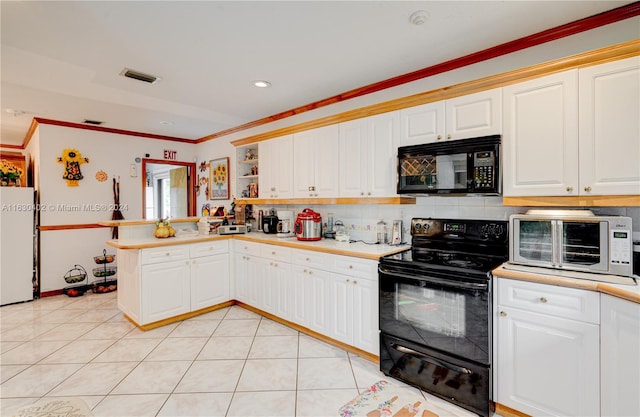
(483, 286)
(426, 358)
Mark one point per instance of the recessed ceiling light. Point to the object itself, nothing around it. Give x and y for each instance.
(166, 122)
(262, 83)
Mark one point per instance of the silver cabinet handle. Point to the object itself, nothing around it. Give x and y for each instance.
(569, 189)
(449, 136)
(543, 300)
(587, 189)
(503, 313)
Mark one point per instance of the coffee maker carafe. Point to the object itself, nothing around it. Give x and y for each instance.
(285, 223)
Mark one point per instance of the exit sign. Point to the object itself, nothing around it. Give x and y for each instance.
(170, 154)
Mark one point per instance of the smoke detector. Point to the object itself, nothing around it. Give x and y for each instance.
(419, 17)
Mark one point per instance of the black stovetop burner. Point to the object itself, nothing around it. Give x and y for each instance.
(472, 246)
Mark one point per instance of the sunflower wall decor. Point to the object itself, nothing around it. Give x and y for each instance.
(72, 159)
(219, 179)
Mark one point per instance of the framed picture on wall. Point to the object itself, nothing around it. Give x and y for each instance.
(219, 179)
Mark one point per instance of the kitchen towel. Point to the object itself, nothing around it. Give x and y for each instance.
(54, 407)
(386, 400)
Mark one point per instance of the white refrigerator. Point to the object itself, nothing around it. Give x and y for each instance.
(16, 244)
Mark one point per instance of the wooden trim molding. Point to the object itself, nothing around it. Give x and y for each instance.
(505, 411)
(577, 201)
(109, 130)
(598, 56)
(71, 227)
(334, 200)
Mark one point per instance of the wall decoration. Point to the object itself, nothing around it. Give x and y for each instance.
(219, 179)
(72, 159)
(12, 170)
(101, 176)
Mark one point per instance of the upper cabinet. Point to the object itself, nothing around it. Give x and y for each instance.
(609, 113)
(468, 116)
(540, 141)
(368, 150)
(315, 162)
(276, 176)
(574, 133)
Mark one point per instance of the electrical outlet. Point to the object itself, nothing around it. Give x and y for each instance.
(133, 170)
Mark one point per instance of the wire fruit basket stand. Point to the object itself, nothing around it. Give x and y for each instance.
(105, 283)
(76, 276)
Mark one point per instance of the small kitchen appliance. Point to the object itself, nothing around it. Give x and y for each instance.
(270, 223)
(573, 243)
(232, 229)
(285, 223)
(465, 166)
(308, 225)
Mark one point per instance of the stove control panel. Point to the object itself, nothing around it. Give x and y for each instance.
(469, 230)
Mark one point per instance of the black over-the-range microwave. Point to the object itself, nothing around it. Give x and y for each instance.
(465, 166)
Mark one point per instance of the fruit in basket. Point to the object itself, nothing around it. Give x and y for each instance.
(109, 258)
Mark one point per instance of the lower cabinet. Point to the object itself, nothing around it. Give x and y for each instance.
(333, 295)
(620, 357)
(164, 282)
(548, 349)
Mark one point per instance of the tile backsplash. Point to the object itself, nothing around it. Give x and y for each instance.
(361, 220)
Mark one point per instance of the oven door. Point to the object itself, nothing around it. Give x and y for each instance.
(443, 312)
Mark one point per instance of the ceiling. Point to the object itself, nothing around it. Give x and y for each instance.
(62, 60)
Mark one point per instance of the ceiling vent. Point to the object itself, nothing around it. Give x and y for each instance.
(92, 122)
(140, 76)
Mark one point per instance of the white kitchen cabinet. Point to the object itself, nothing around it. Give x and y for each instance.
(609, 109)
(166, 290)
(368, 150)
(620, 357)
(469, 116)
(547, 349)
(574, 133)
(540, 143)
(319, 311)
(247, 267)
(276, 167)
(165, 282)
(316, 163)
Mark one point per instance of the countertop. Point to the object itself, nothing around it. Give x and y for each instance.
(355, 249)
(629, 292)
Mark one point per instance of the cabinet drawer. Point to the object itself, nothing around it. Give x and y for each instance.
(276, 253)
(198, 250)
(164, 254)
(356, 267)
(247, 248)
(568, 303)
(313, 259)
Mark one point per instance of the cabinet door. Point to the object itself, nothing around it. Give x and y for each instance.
(341, 314)
(301, 293)
(422, 124)
(353, 158)
(540, 141)
(474, 115)
(209, 281)
(620, 357)
(304, 164)
(609, 128)
(327, 164)
(267, 285)
(246, 276)
(318, 312)
(165, 290)
(285, 291)
(382, 149)
(547, 365)
(365, 315)
(276, 162)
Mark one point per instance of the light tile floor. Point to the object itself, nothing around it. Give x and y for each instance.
(230, 362)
